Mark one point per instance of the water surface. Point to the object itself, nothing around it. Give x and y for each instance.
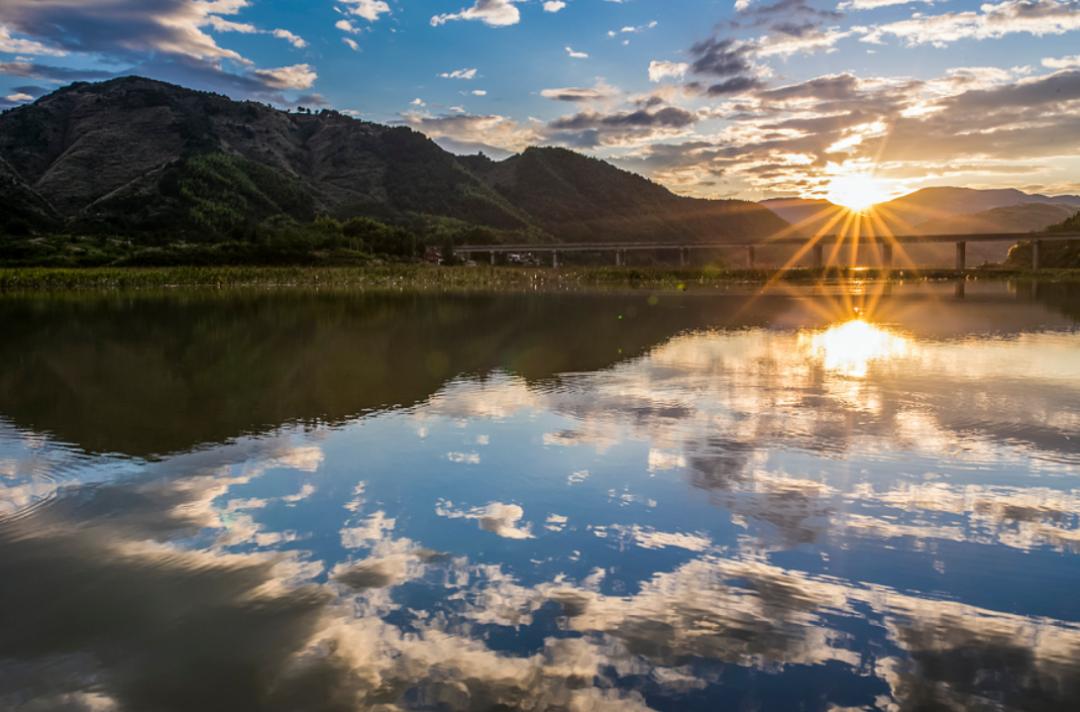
(848, 498)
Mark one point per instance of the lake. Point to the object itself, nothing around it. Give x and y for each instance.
(850, 497)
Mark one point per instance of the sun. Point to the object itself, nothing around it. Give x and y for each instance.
(856, 192)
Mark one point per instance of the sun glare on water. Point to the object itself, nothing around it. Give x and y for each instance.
(849, 348)
(856, 192)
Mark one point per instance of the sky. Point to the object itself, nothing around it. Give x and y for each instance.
(713, 98)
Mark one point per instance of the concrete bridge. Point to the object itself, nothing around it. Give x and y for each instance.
(619, 249)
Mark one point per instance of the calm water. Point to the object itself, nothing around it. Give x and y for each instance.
(809, 500)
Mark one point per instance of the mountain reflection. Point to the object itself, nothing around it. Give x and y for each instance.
(778, 513)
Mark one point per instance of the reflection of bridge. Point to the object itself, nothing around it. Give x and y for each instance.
(683, 249)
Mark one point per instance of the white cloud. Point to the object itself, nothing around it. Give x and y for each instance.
(554, 5)
(494, 13)
(460, 74)
(633, 29)
(370, 531)
(1070, 62)
(296, 76)
(351, 43)
(1035, 17)
(660, 70)
(476, 131)
(246, 28)
(22, 46)
(295, 40)
(370, 10)
(479, 92)
(873, 4)
(784, 45)
(495, 517)
(346, 26)
(571, 52)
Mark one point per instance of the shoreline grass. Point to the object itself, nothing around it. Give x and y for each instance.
(478, 278)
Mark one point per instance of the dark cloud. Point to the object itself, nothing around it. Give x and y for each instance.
(720, 57)
(1053, 89)
(31, 70)
(781, 12)
(669, 117)
(735, 85)
(839, 86)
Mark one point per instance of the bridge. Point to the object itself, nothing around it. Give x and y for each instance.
(619, 249)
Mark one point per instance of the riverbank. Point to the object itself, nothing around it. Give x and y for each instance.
(433, 278)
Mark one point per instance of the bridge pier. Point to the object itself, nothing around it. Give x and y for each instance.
(961, 256)
(682, 256)
(819, 256)
(555, 259)
(618, 258)
(1036, 254)
(750, 256)
(493, 258)
(886, 255)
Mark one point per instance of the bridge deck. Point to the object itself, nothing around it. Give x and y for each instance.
(826, 240)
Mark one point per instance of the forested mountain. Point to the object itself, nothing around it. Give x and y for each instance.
(155, 162)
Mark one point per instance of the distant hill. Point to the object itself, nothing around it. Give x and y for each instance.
(584, 199)
(1024, 217)
(938, 211)
(808, 217)
(938, 203)
(155, 161)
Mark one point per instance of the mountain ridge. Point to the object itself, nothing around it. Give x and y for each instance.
(138, 157)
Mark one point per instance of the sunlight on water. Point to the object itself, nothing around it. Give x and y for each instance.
(849, 348)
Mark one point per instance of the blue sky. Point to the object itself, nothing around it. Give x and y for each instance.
(739, 98)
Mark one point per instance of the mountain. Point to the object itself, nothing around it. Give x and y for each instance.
(585, 199)
(134, 154)
(24, 211)
(157, 162)
(938, 203)
(1022, 217)
(809, 217)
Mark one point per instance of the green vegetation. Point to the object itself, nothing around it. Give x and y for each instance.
(1054, 254)
(419, 277)
(277, 240)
